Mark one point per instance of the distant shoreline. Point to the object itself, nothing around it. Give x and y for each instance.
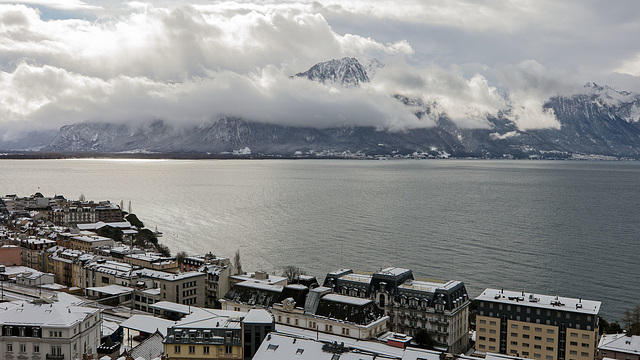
(9, 155)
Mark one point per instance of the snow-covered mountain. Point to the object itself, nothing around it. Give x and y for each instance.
(345, 72)
(599, 121)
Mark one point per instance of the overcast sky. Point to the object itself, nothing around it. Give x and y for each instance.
(63, 62)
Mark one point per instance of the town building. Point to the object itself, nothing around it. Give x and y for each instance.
(10, 255)
(217, 334)
(619, 347)
(440, 308)
(315, 309)
(33, 251)
(537, 326)
(51, 329)
(193, 263)
(183, 288)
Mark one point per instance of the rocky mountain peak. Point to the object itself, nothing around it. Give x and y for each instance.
(346, 72)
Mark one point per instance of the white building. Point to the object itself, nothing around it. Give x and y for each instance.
(52, 329)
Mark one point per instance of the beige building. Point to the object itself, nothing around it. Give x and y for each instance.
(537, 326)
(184, 288)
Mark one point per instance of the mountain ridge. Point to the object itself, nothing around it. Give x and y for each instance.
(599, 121)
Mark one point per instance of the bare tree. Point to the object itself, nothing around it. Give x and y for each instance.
(236, 262)
(180, 256)
(631, 320)
(292, 273)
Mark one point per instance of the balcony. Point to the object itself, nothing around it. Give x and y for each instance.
(54, 357)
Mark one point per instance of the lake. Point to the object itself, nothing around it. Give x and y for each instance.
(554, 227)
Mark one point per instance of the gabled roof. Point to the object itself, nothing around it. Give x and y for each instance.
(620, 343)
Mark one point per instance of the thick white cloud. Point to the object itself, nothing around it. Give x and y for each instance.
(190, 61)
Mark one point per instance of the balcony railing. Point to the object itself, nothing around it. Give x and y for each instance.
(54, 357)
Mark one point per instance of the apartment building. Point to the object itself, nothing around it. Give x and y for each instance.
(217, 334)
(52, 329)
(441, 308)
(183, 288)
(537, 326)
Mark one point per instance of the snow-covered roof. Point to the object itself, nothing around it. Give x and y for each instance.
(258, 316)
(429, 286)
(346, 299)
(112, 289)
(522, 298)
(311, 342)
(62, 312)
(109, 327)
(210, 319)
(171, 306)
(151, 347)
(393, 271)
(148, 324)
(357, 278)
(260, 285)
(620, 343)
(156, 274)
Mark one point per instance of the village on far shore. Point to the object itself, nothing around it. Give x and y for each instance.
(81, 279)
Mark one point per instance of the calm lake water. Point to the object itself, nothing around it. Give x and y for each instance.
(565, 228)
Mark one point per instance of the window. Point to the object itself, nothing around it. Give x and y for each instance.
(573, 334)
(573, 352)
(483, 330)
(514, 343)
(525, 336)
(492, 348)
(482, 338)
(585, 345)
(525, 344)
(513, 352)
(176, 349)
(492, 323)
(492, 331)
(192, 349)
(549, 331)
(23, 348)
(514, 326)
(549, 357)
(481, 346)
(537, 355)
(483, 321)
(549, 348)
(345, 331)
(585, 336)
(36, 348)
(573, 343)
(56, 350)
(537, 346)
(514, 334)
(538, 338)
(538, 329)
(526, 327)
(328, 328)
(550, 340)
(492, 339)
(584, 354)
(228, 349)
(525, 353)
(205, 349)
(9, 346)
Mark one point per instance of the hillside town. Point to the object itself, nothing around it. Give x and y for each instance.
(81, 279)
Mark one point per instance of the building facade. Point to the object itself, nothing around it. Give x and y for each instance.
(537, 326)
(440, 308)
(52, 329)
